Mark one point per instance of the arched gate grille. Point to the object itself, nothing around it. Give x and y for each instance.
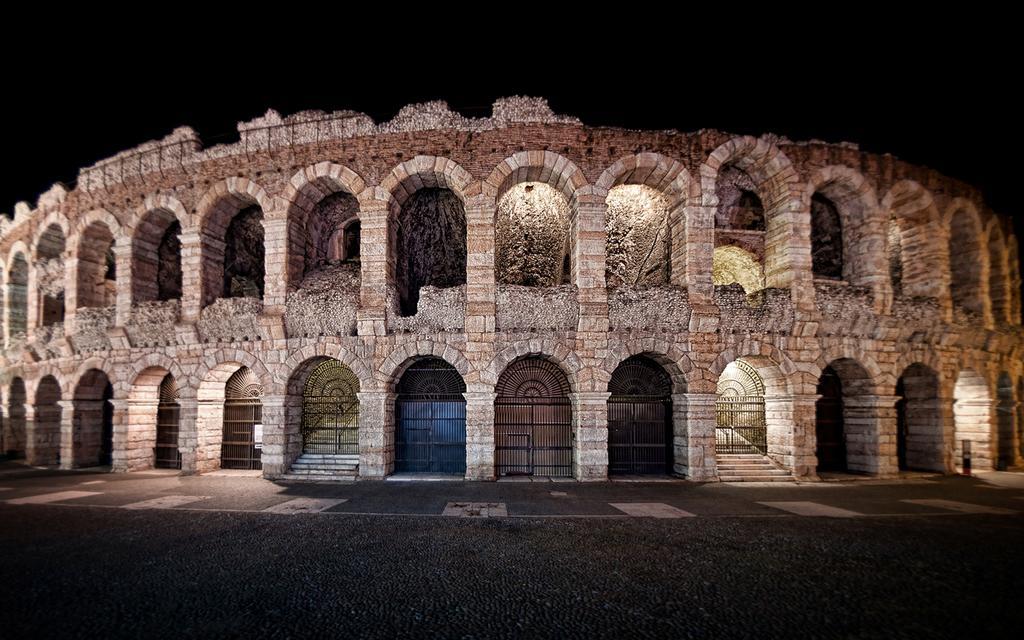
(430, 415)
(639, 419)
(242, 446)
(739, 411)
(330, 410)
(168, 413)
(533, 420)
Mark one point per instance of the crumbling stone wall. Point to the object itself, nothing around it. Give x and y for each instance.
(325, 231)
(538, 308)
(663, 307)
(326, 303)
(637, 247)
(431, 245)
(244, 255)
(531, 236)
(826, 239)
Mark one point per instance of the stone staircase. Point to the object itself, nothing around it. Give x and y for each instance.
(749, 467)
(324, 467)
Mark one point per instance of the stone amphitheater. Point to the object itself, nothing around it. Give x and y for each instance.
(518, 295)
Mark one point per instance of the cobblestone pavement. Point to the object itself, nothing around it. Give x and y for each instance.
(158, 555)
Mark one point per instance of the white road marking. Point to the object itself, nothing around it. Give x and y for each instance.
(164, 502)
(962, 507)
(812, 509)
(476, 510)
(651, 510)
(305, 505)
(93, 482)
(53, 497)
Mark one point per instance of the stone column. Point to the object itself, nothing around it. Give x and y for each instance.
(135, 435)
(121, 453)
(590, 434)
(480, 435)
(31, 449)
(480, 284)
(376, 268)
(67, 434)
(188, 410)
(693, 429)
(123, 264)
(273, 456)
(975, 421)
(869, 428)
(694, 267)
(376, 434)
(275, 242)
(209, 434)
(32, 305)
(793, 449)
(191, 276)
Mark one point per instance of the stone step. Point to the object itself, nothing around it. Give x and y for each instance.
(308, 465)
(756, 478)
(313, 478)
(319, 457)
(323, 472)
(739, 456)
(753, 465)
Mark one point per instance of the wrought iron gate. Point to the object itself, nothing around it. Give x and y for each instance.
(330, 410)
(430, 414)
(741, 426)
(640, 418)
(533, 421)
(168, 415)
(242, 445)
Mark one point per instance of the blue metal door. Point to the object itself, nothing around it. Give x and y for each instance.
(430, 419)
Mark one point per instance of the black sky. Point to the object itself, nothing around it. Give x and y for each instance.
(924, 95)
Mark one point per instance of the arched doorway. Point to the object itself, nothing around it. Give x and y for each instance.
(739, 410)
(45, 440)
(330, 410)
(93, 425)
(167, 453)
(639, 418)
(15, 442)
(1005, 418)
(533, 420)
(242, 445)
(831, 439)
(430, 414)
(972, 420)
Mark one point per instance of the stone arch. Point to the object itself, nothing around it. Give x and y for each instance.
(92, 426)
(862, 248)
(1016, 285)
(973, 420)
(667, 354)
(49, 271)
(401, 358)
(156, 267)
(968, 261)
(43, 446)
(323, 351)
(1007, 429)
(998, 280)
(917, 250)
(775, 183)
(95, 266)
(304, 196)
(849, 423)
(17, 292)
(546, 167)
(669, 178)
(213, 394)
(237, 205)
(55, 225)
(155, 361)
(921, 437)
(556, 352)
(427, 227)
(149, 411)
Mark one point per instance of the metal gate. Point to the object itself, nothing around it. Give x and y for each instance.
(430, 414)
(168, 414)
(242, 445)
(741, 426)
(533, 420)
(330, 410)
(639, 419)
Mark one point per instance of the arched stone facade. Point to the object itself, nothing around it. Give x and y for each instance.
(890, 278)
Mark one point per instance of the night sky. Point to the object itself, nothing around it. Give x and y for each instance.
(936, 100)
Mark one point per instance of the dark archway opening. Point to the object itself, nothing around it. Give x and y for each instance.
(430, 416)
(533, 420)
(640, 418)
(829, 427)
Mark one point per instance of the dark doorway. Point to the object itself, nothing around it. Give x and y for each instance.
(640, 418)
(107, 429)
(533, 420)
(831, 436)
(901, 426)
(167, 454)
(430, 415)
(242, 446)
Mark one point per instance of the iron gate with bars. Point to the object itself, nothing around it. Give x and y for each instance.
(166, 453)
(430, 415)
(533, 421)
(741, 426)
(330, 410)
(243, 416)
(639, 418)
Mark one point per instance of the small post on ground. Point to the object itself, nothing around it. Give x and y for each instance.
(966, 448)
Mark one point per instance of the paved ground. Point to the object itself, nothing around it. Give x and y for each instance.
(156, 555)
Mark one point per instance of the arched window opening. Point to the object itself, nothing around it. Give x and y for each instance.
(97, 270)
(50, 276)
(430, 236)
(17, 297)
(244, 254)
(826, 238)
(532, 236)
(637, 252)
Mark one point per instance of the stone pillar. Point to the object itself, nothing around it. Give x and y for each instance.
(33, 304)
(134, 434)
(975, 421)
(694, 267)
(275, 242)
(123, 264)
(480, 284)
(791, 265)
(188, 410)
(376, 434)
(480, 435)
(869, 429)
(376, 268)
(67, 434)
(43, 426)
(31, 449)
(791, 422)
(693, 430)
(209, 434)
(191, 275)
(590, 434)
(120, 451)
(274, 437)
